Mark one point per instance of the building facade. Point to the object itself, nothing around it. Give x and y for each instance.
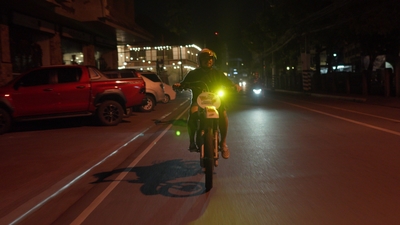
(53, 32)
(172, 63)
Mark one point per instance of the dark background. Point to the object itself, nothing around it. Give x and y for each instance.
(202, 19)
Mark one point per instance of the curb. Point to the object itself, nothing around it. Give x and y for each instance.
(348, 98)
(372, 100)
(354, 99)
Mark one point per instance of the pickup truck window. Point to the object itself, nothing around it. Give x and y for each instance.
(128, 74)
(35, 78)
(68, 75)
(94, 74)
(120, 74)
(111, 75)
(152, 76)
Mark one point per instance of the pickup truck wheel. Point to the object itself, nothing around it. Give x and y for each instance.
(151, 102)
(110, 113)
(5, 121)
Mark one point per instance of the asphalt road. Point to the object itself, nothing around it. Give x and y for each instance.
(294, 160)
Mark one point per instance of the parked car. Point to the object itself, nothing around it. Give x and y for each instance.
(68, 91)
(154, 85)
(170, 93)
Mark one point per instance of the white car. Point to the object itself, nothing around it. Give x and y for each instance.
(154, 89)
(154, 85)
(170, 93)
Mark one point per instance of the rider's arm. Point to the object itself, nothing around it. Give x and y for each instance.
(229, 83)
(188, 78)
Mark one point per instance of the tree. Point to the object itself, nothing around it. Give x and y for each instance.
(178, 19)
(327, 25)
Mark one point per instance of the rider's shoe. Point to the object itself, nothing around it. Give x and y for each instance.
(224, 151)
(193, 147)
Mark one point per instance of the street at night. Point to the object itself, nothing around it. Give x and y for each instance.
(100, 101)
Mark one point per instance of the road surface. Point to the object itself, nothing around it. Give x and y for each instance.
(294, 160)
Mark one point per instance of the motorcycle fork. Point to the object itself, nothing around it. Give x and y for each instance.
(216, 141)
(216, 138)
(204, 123)
(200, 134)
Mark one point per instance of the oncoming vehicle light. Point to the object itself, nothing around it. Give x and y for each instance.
(220, 93)
(257, 91)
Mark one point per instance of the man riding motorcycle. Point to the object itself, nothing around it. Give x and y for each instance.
(214, 79)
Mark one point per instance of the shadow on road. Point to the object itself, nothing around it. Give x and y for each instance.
(51, 124)
(162, 178)
(57, 123)
(179, 122)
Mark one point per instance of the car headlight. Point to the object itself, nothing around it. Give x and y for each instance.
(257, 91)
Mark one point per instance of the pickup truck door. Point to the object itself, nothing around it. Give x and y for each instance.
(34, 94)
(73, 90)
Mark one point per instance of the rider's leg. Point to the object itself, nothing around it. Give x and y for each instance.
(192, 126)
(223, 127)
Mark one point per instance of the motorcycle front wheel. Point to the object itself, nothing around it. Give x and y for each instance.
(209, 157)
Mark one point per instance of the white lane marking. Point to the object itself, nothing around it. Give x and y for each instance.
(30, 206)
(85, 213)
(345, 119)
(357, 112)
(67, 185)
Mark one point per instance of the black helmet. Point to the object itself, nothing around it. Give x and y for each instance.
(206, 54)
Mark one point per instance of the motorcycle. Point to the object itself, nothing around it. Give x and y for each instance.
(207, 136)
(258, 92)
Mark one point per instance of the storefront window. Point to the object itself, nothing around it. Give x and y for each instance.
(74, 58)
(72, 52)
(137, 55)
(25, 51)
(103, 57)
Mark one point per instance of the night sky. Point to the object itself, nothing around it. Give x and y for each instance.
(227, 17)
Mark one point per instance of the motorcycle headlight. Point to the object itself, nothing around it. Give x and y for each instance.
(221, 93)
(257, 91)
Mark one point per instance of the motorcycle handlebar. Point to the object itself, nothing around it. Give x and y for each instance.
(190, 85)
(197, 84)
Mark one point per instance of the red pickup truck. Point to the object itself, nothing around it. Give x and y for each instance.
(68, 91)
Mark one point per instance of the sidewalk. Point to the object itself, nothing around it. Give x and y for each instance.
(393, 102)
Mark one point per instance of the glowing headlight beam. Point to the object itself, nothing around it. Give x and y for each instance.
(257, 91)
